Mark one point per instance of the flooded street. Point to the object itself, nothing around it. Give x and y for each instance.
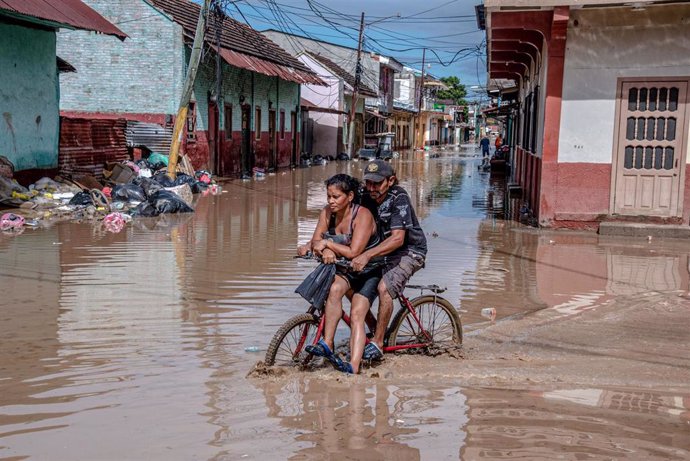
(133, 345)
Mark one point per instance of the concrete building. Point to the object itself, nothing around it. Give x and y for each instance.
(245, 108)
(377, 78)
(326, 126)
(602, 124)
(29, 84)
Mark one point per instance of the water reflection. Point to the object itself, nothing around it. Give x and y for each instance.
(137, 339)
(363, 421)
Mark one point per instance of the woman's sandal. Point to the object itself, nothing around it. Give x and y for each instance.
(345, 367)
(321, 349)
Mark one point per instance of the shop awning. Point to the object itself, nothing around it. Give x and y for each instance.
(373, 113)
(500, 110)
(311, 107)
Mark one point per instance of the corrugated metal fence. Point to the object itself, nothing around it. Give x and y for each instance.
(86, 145)
(150, 135)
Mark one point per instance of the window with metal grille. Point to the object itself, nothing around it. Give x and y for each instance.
(650, 121)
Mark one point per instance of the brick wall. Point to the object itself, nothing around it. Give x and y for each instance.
(144, 74)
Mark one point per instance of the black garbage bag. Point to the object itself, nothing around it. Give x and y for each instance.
(183, 178)
(316, 285)
(128, 193)
(161, 202)
(194, 184)
(198, 187)
(163, 179)
(150, 186)
(81, 198)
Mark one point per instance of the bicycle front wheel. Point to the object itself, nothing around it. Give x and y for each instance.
(439, 324)
(287, 346)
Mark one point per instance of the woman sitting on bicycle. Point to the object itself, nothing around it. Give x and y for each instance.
(345, 229)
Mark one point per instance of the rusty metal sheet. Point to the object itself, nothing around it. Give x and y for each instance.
(87, 145)
(264, 67)
(70, 13)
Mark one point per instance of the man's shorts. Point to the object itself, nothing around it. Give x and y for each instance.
(364, 283)
(397, 273)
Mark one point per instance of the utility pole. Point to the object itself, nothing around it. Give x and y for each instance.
(192, 68)
(355, 92)
(420, 135)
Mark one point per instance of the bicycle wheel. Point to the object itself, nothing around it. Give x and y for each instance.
(287, 346)
(439, 324)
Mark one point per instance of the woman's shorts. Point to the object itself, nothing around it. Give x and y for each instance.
(364, 283)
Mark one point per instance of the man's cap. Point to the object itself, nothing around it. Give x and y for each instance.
(378, 170)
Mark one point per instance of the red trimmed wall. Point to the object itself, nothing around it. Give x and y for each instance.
(148, 118)
(583, 195)
(230, 162)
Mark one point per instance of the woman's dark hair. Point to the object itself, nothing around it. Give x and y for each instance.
(346, 184)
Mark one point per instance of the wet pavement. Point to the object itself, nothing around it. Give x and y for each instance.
(132, 345)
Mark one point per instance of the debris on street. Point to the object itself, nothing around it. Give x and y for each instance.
(129, 189)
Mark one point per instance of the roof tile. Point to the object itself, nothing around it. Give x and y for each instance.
(234, 35)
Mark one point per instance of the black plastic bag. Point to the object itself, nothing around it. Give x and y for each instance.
(160, 202)
(316, 285)
(128, 193)
(81, 198)
(149, 185)
(183, 178)
(163, 179)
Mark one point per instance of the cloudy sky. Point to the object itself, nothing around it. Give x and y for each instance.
(446, 28)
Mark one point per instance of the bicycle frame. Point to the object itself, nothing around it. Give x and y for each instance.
(404, 304)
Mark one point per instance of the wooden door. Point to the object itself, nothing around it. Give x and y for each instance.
(246, 160)
(272, 151)
(293, 132)
(213, 136)
(649, 148)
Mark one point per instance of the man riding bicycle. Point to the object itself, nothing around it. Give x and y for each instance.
(403, 244)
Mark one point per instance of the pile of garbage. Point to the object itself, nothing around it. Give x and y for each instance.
(129, 190)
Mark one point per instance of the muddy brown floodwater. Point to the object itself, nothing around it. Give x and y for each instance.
(131, 346)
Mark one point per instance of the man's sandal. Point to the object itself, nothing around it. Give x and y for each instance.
(372, 352)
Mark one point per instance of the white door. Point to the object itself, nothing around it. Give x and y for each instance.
(650, 148)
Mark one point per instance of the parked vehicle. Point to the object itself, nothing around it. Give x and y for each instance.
(383, 149)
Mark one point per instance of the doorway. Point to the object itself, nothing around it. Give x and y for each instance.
(272, 152)
(246, 159)
(649, 148)
(293, 132)
(213, 136)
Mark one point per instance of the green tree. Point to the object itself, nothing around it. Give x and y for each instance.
(456, 90)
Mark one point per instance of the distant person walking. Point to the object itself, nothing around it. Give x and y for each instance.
(484, 143)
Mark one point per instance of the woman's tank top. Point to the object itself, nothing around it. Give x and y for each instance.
(346, 239)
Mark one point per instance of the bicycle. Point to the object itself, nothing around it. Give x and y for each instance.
(420, 323)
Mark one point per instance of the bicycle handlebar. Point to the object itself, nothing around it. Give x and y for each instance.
(342, 262)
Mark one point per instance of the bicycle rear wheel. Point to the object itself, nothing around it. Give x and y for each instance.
(287, 346)
(439, 324)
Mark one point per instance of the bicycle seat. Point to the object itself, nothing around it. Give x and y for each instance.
(434, 288)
